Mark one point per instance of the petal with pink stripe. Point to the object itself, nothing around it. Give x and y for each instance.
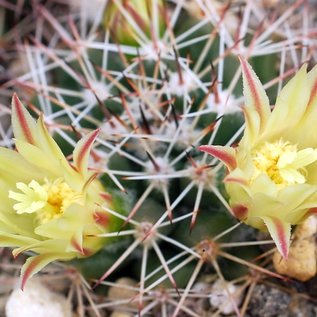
(254, 93)
(22, 122)
(224, 153)
(82, 151)
(280, 232)
(35, 263)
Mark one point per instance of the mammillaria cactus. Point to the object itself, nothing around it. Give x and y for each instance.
(156, 91)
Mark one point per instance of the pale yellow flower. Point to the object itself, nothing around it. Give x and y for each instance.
(48, 206)
(272, 173)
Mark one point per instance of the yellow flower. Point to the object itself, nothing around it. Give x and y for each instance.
(48, 206)
(272, 173)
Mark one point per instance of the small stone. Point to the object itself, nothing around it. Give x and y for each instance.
(124, 288)
(201, 287)
(220, 299)
(267, 301)
(301, 262)
(37, 300)
(300, 307)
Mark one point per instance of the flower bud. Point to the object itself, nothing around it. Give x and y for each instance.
(132, 22)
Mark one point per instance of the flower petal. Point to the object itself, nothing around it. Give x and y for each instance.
(11, 222)
(35, 263)
(77, 245)
(74, 219)
(22, 122)
(297, 195)
(264, 185)
(252, 127)
(13, 167)
(290, 105)
(12, 240)
(302, 132)
(38, 157)
(240, 181)
(254, 93)
(48, 145)
(224, 153)
(82, 151)
(240, 211)
(312, 78)
(45, 151)
(280, 232)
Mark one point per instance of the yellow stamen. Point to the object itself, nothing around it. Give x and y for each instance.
(283, 163)
(32, 198)
(48, 201)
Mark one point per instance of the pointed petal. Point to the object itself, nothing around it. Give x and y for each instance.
(35, 263)
(291, 104)
(101, 218)
(48, 145)
(53, 245)
(50, 148)
(224, 154)
(12, 164)
(254, 93)
(237, 177)
(88, 182)
(252, 127)
(75, 218)
(302, 132)
(22, 122)
(16, 226)
(76, 244)
(263, 184)
(30, 246)
(13, 240)
(240, 211)
(39, 158)
(82, 151)
(312, 78)
(33, 136)
(280, 232)
(297, 197)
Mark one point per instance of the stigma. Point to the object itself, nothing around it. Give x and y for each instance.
(283, 163)
(48, 200)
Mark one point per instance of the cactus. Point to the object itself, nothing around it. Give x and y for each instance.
(156, 94)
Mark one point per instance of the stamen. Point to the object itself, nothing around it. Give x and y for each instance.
(34, 197)
(49, 200)
(283, 163)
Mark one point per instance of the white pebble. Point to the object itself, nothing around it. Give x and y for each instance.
(38, 301)
(220, 299)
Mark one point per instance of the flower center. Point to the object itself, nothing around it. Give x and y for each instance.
(283, 163)
(48, 201)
